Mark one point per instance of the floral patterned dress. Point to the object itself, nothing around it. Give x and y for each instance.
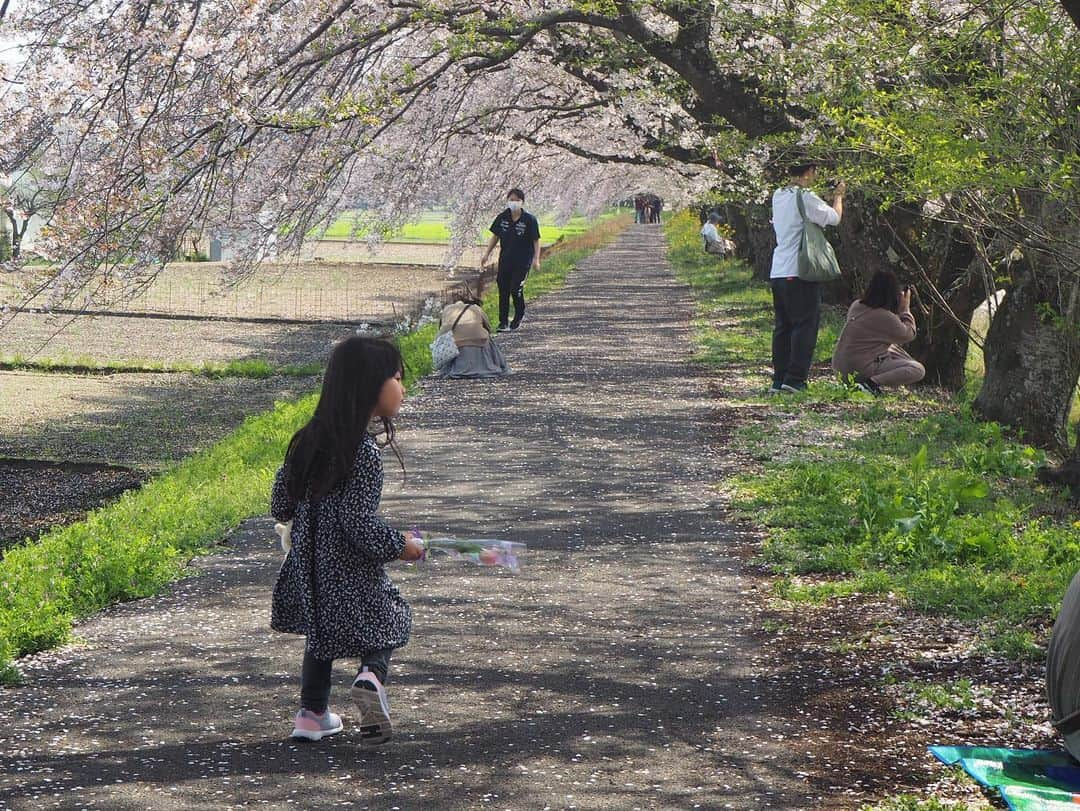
(332, 587)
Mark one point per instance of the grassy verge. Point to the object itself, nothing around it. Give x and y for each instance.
(907, 494)
(136, 545)
(735, 315)
(251, 369)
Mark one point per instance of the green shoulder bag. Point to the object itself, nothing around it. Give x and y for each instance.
(817, 260)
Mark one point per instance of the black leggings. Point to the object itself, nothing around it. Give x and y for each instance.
(316, 673)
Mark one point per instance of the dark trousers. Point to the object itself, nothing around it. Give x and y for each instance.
(316, 673)
(797, 306)
(511, 284)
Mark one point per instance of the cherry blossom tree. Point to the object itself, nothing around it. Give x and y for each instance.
(269, 117)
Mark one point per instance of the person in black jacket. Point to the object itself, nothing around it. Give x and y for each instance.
(517, 234)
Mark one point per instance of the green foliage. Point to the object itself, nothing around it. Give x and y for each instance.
(943, 510)
(135, 545)
(1017, 644)
(919, 697)
(909, 802)
(139, 543)
(921, 106)
(937, 533)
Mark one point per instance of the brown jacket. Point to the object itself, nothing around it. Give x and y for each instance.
(869, 333)
(473, 329)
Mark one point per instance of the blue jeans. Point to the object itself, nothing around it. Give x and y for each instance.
(797, 307)
(316, 673)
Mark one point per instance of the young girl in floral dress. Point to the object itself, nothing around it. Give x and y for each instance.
(332, 587)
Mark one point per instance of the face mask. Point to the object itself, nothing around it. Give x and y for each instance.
(513, 205)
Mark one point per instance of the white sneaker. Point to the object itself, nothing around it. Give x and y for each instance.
(371, 699)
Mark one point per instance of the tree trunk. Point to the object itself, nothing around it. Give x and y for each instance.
(942, 342)
(17, 234)
(1032, 354)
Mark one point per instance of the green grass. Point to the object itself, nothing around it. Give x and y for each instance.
(941, 510)
(918, 697)
(136, 545)
(252, 369)
(433, 228)
(909, 802)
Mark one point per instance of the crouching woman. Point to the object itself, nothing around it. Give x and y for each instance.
(478, 356)
(869, 345)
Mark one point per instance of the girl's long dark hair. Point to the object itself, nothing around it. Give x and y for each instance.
(883, 291)
(321, 454)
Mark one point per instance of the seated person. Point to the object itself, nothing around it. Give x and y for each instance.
(714, 243)
(868, 347)
(1063, 669)
(478, 356)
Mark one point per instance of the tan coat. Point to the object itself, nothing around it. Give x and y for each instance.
(473, 329)
(869, 333)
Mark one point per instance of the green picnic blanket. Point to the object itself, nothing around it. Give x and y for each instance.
(1028, 779)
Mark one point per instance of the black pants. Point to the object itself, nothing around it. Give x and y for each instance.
(315, 677)
(511, 283)
(797, 305)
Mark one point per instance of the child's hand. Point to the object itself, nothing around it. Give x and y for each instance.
(414, 548)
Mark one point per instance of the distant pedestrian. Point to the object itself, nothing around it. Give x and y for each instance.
(517, 233)
(332, 587)
(478, 355)
(639, 209)
(796, 304)
(868, 347)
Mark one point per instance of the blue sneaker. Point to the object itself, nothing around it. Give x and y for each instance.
(313, 727)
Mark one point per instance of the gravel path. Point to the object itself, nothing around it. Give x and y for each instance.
(615, 672)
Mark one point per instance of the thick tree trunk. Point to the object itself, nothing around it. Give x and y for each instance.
(1032, 354)
(942, 342)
